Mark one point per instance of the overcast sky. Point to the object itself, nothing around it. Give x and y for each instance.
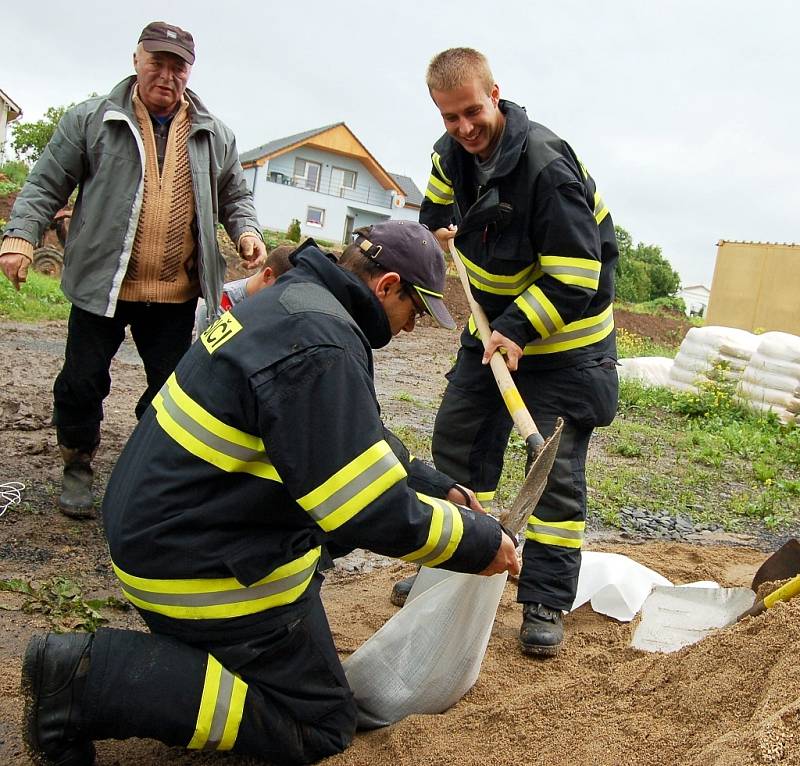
(686, 113)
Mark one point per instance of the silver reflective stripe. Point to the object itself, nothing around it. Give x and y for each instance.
(222, 709)
(584, 332)
(445, 535)
(538, 309)
(572, 270)
(437, 192)
(218, 598)
(567, 534)
(353, 487)
(210, 439)
(523, 281)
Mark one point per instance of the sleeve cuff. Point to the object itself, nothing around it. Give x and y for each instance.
(17, 245)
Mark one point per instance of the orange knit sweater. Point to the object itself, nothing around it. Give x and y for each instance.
(163, 266)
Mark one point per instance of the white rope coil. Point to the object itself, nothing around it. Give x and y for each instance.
(10, 494)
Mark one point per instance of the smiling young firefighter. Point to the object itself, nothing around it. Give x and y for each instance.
(539, 247)
(264, 447)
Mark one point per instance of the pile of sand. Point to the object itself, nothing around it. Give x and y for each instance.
(731, 700)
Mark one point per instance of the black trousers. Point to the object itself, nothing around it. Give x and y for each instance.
(280, 696)
(469, 442)
(162, 333)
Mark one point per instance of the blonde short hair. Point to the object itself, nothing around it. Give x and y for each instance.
(456, 66)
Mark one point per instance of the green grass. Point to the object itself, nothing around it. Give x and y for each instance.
(696, 454)
(39, 298)
(273, 238)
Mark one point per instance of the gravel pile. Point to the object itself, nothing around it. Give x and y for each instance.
(662, 526)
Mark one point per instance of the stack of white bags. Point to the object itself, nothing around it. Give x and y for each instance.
(707, 353)
(765, 368)
(771, 380)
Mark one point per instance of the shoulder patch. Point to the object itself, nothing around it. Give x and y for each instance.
(307, 296)
(220, 332)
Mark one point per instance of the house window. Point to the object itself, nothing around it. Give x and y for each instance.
(341, 180)
(315, 216)
(306, 174)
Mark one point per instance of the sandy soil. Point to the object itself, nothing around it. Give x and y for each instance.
(732, 700)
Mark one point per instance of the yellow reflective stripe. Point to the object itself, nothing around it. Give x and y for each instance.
(235, 714)
(600, 209)
(499, 284)
(578, 334)
(444, 533)
(208, 705)
(353, 487)
(208, 438)
(541, 313)
(219, 598)
(438, 191)
(583, 272)
(566, 534)
(221, 709)
(436, 158)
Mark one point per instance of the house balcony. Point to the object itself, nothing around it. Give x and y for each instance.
(362, 193)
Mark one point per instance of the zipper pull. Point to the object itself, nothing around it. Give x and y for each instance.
(485, 237)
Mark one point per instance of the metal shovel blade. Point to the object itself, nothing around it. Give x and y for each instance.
(516, 518)
(677, 616)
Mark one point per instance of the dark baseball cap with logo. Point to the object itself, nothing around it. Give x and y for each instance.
(160, 36)
(411, 250)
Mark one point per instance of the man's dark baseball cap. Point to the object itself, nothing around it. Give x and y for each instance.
(411, 250)
(160, 36)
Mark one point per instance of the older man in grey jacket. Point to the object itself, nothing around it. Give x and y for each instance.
(155, 172)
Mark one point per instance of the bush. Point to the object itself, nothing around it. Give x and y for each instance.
(294, 230)
(15, 171)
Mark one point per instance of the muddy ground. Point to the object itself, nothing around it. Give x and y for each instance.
(732, 700)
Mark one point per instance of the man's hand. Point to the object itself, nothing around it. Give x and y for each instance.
(505, 560)
(445, 235)
(252, 251)
(15, 267)
(457, 495)
(506, 346)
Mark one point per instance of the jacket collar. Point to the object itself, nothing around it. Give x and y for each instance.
(358, 300)
(514, 142)
(121, 97)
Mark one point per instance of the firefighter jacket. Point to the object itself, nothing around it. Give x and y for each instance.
(265, 443)
(537, 242)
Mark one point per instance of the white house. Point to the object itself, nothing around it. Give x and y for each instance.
(327, 180)
(9, 112)
(696, 299)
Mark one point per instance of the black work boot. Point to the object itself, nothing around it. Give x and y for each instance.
(542, 630)
(54, 674)
(401, 590)
(76, 499)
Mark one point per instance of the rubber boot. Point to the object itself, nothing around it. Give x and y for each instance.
(54, 674)
(542, 630)
(76, 499)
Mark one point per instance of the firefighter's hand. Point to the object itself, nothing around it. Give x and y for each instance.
(15, 267)
(445, 235)
(461, 495)
(510, 350)
(505, 560)
(252, 250)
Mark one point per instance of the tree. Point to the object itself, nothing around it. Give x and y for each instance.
(643, 274)
(30, 138)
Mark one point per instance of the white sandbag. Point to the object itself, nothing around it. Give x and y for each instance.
(765, 394)
(783, 415)
(744, 348)
(769, 377)
(429, 654)
(616, 585)
(682, 375)
(780, 345)
(648, 370)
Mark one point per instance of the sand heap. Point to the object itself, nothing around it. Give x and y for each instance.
(731, 700)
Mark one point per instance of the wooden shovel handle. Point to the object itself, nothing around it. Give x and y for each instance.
(508, 389)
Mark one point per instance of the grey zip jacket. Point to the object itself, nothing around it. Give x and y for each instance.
(97, 147)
